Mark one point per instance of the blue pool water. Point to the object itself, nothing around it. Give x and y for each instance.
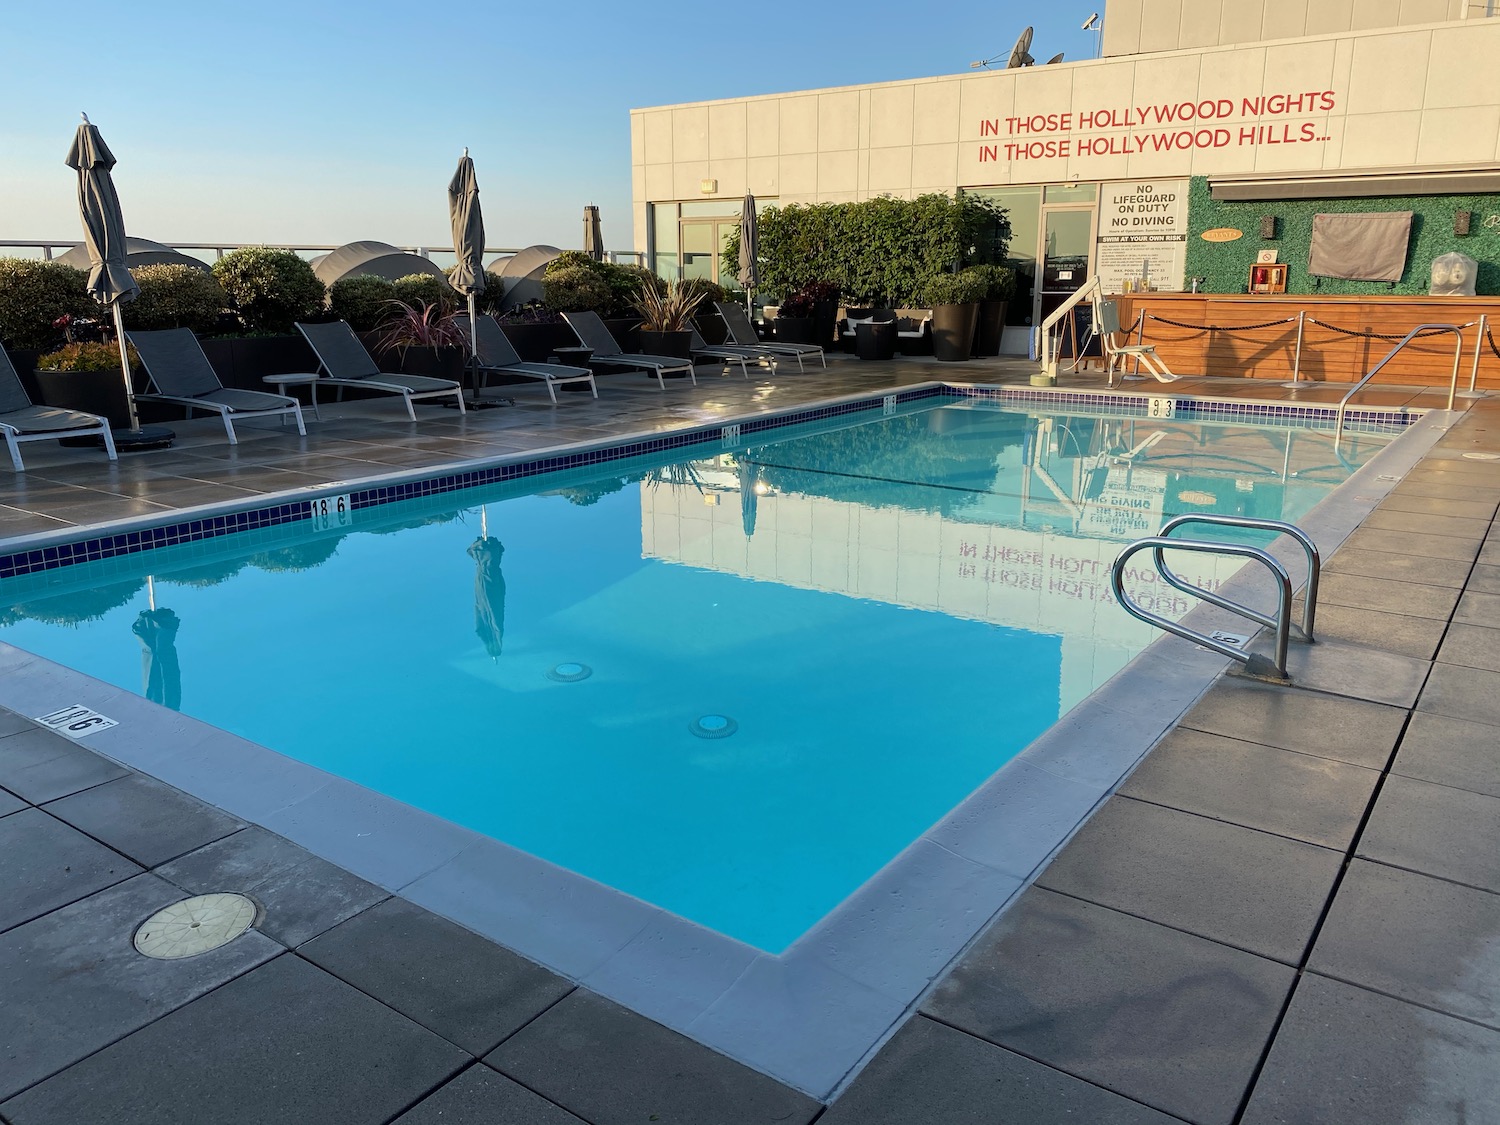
(734, 686)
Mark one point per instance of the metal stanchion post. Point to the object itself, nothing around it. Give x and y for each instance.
(1296, 382)
(1474, 371)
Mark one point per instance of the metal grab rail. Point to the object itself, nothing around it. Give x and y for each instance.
(1314, 560)
(1458, 347)
(1255, 664)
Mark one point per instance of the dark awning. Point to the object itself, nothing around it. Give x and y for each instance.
(1358, 183)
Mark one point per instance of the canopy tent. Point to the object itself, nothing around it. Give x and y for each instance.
(138, 252)
(371, 259)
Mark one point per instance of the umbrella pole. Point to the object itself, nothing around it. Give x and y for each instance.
(151, 591)
(125, 364)
(484, 522)
(473, 343)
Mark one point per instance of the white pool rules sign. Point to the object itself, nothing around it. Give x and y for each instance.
(1143, 232)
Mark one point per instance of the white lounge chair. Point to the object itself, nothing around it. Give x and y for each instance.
(344, 362)
(741, 331)
(498, 356)
(592, 333)
(181, 373)
(1107, 325)
(21, 421)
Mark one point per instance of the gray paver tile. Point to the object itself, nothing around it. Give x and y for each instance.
(285, 1042)
(613, 1067)
(1462, 693)
(12, 723)
(1347, 730)
(1389, 632)
(934, 1073)
(1166, 1018)
(467, 989)
(148, 821)
(1345, 1054)
(40, 766)
(1298, 795)
(1485, 579)
(1476, 608)
(1353, 671)
(1451, 833)
(1450, 752)
(71, 983)
(45, 864)
(481, 1096)
(1368, 538)
(1388, 595)
(1472, 646)
(10, 803)
(302, 894)
(1456, 527)
(1247, 889)
(1416, 937)
(1395, 567)
(1468, 508)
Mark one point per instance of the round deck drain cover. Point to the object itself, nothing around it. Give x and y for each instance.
(713, 726)
(569, 673)
(194, 925)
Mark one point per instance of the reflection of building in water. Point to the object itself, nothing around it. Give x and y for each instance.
(1033, 553)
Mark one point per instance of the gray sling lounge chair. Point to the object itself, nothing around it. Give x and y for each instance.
(741, 331)
(345, 363)
(498, 356)
(592, 333)
(727, 355)
(21, 421)
(181, 373)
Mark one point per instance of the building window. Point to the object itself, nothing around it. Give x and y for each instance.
(1024, 207)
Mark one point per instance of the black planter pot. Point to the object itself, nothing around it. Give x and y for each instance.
(826, 324)
(953, 331)
(990, 327)
(94, 392)
(244, 362)
(435, 363)
(712, 328)
(627, 334)
(535, 343)
(678, 345)
(796, 329)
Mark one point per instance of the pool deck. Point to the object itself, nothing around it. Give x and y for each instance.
(1290, 912)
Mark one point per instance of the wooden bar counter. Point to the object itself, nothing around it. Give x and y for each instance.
(1328, 355)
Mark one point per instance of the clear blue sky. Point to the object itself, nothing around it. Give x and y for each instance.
(328, 122)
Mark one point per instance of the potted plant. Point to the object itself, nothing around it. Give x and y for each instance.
(86, 376)
(954, 299)
(1000, 286)
(425, 340)
(667, 318)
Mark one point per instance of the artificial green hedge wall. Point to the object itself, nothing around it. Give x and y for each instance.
(1226, 265)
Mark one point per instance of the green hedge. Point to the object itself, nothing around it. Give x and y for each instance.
(1226, 265)
(271, 289)
(33, 295)
(361, 302)
(175, 296)
(877, 250)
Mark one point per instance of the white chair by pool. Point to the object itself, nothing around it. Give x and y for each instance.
(1107, 325)
(497, 356)
(593, 333)
(742, 332)
(345, 362)
(20, 420)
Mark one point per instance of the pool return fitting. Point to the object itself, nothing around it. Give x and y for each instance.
(1255, 664)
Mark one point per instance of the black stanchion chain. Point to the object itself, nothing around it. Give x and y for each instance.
(1489, 336)
(1376, 335)
(1223, 327)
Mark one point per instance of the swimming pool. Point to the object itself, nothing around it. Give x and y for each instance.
(887, 612)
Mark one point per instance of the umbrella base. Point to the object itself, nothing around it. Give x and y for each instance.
(482, 403)
(126, 441)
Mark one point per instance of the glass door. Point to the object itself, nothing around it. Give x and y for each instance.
(703, 248)
(1064, 255)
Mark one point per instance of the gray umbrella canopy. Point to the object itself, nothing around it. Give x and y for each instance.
(468, 229)
(489, 593)
(749, 275)
(110, 282)
(161, 675)
(593, 236)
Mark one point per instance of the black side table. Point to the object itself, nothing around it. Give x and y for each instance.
(573, 357)
(875, 340)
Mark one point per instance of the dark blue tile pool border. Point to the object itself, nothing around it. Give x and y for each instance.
(273, 515)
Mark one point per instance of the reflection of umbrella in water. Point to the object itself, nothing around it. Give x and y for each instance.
(161, 676)
(749, 498)
(489, 589)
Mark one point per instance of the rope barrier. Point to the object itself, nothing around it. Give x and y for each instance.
(1379, 335)
(1222, 327)
(1489, 336)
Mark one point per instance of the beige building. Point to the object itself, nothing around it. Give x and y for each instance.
(1097, 161)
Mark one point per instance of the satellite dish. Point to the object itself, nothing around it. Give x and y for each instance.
(1055, 58)
(1018, 54)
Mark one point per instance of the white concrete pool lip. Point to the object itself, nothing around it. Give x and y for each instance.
(807, 1017)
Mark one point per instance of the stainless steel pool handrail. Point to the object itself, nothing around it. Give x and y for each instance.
(1309, 548)
(1254, 662)
(1458, 347)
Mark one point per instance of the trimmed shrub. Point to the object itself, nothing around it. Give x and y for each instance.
(959, 288)
(623, 283)
(425, 289)
(711, 291)
(91, 356)
(362, 301)
(576, 289)
(270, 289)
(34, 295)
(999, 282)
(486, 302)
(175, 296)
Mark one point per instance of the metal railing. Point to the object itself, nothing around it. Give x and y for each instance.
(52, 247)
(1419, 330)
(1255, 663)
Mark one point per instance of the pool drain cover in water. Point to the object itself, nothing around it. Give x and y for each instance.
(713, 726)
(569, 673)
(194, 925)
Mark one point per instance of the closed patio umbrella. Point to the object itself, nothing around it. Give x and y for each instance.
(468, 245)
(749, 476)
(593, 236)
(110, 282)
(161, 675)
(489, 589)
(749, 275)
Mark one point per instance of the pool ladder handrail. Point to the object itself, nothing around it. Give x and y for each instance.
(1255, 664)
(1458, 348)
